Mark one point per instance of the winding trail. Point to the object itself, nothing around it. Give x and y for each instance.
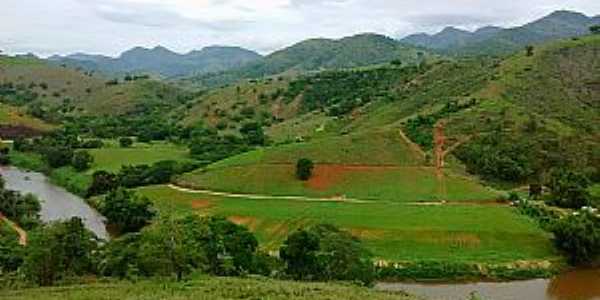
(335, 199)
(22, 233)
(269, 197)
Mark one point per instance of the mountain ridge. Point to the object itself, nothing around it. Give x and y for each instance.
(497, 40)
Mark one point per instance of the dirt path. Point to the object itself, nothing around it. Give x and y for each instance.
(268, 197)
(22, 233)
(414, 147)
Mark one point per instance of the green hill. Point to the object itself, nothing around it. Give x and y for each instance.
(53, 92)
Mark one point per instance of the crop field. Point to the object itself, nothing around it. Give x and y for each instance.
(393, 231)
(204, 288)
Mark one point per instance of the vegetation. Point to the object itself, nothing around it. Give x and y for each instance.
(216, 288)
(579, 237)
(126, 210)
(304, 169)
(22, 209)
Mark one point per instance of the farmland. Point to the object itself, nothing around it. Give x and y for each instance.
(393, 231)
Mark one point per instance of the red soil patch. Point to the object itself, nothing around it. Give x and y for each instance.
(250, 222)
(201, 204)
(326, 176)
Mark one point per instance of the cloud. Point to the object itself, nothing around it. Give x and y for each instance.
(112, 26)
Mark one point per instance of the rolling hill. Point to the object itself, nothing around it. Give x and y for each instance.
(318, 55)
(495, 40)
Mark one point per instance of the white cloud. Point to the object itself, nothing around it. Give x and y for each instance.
(111, 26)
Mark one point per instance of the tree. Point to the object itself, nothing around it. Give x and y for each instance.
(125, 142)
(529, 49)
(125, 209)
(299, 252)
(304, 168)
(59, 250)
(4, 155)
(58, 156)
(578, 236)
(396, 62)
(82, 160)
(102, 182)
(569, 189)
(595, 29)
(325, 252)
(11, 253)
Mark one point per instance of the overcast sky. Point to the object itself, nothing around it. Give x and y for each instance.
(109, 27)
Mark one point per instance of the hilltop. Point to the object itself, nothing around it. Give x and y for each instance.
(496, 40)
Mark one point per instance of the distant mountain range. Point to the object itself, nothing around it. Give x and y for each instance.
(496, 40)
(217, 65)
(162, 61)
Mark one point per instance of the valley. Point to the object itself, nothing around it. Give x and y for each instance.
(448, 158)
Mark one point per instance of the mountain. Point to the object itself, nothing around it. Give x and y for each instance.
(162, 61)
(495, 40)
(321, 54)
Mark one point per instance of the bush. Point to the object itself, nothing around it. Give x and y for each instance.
(125, 142)
(82, 160)
(92, 144)
(59, 156)
(304, 169)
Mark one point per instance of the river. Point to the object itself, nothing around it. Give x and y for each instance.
(57, 203)
(582, 284)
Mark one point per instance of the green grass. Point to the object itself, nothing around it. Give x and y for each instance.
(396, 185)
(28, 161)
(204, 288)
(113, 157)
(395, 232)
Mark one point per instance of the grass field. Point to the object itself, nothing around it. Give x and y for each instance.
(112, 157)
(393, 231)
(204, 288)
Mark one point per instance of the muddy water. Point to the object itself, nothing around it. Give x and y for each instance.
(57, 203)
(581, 284)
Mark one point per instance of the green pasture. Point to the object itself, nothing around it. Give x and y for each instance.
(393, 231)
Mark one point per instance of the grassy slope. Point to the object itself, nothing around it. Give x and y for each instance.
(374, 165)
(87, 92)
(205, 288)
(396, 232)
(14, 116)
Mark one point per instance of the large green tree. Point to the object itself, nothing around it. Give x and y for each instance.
(126, 210)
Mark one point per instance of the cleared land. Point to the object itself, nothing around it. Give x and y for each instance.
(204, 288)
(369, 166)
(394, 232)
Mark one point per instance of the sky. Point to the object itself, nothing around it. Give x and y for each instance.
(109, 27)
